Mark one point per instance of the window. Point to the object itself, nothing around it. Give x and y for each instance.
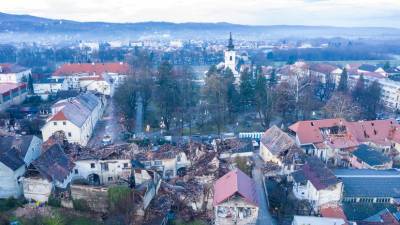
(76, 171)
(64, 123)
(125, 165)
(158, 162)
(110, 179)
(92, 165)
(69, 134)
(55, 123)
(230, 58)
(104, 166)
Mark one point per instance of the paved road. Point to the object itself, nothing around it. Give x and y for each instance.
(264, 216)
(107, 125)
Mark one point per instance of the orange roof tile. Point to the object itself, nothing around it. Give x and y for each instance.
(96, 68)
(59, 116)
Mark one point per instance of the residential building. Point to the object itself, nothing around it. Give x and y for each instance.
(169, 160)
(324, 72)
(316, 184)
(273, 143)
(49, 86)
(232, 148)
(333, 140)
(16, 153)
(105, 165)
(13, 73)
(278, 147)
(312, 220)
(367, 157)
(75, 117)
(369, 186)
(12, 94)
(235, 199)
(53, 169)
(100, 77)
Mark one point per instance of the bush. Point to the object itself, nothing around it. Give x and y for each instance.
(11, 202)
(80, 205)
(118, 193)
(54, 201)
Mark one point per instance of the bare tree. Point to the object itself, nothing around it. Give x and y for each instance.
(342, 106)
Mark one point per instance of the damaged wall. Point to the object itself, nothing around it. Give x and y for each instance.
(96, 197)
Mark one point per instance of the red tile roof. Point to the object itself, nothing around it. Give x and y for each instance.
(332, 211)
(59, 116)
(92, 68)
(235, 182)
(7, 87)
(381, 132)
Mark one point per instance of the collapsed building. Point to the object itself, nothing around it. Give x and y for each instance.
(334, 140)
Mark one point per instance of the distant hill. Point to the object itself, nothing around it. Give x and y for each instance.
(17, 28)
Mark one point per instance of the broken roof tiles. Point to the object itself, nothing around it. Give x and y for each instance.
(339, 133)
(54, 164)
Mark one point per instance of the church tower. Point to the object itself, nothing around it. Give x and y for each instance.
(230, 56)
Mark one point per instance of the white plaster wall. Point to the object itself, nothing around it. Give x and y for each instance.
(9, 185)
(116, 169)
(34, 151)
(37, 189)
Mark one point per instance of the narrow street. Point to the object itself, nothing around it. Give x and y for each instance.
(264, 216)
(108, 125)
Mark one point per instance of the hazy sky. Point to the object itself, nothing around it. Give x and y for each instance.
(260, 12)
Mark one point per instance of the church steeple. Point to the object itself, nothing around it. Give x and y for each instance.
(231, 47)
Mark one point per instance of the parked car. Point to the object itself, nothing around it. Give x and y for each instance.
(107, 140)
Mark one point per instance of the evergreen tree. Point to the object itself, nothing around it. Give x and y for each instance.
(386, 66)
(263, 100)
(343, 81)
(215, 99)
(371, 102)
(30, 84)
(232, 94)
(359, 90)
(168, 94)
(272, 79)
(246, 89)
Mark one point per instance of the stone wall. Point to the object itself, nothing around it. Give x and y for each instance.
(95, 197)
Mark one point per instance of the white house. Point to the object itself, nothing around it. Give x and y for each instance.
(12, 94)
(313, 220)
(317, 184)
(107, 165)
(98, 84)
(235, 199)
(53, 169)
(273, 143)
(16, 153)
(49, 86)
(13, 73)
(169, 160)
(99, 77)
(75, 117)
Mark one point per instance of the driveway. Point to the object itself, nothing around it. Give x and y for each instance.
(264, 216)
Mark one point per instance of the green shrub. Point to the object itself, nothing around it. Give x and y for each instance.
(120, 198)
(54, 201)
(80, 205)
(54, 220)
